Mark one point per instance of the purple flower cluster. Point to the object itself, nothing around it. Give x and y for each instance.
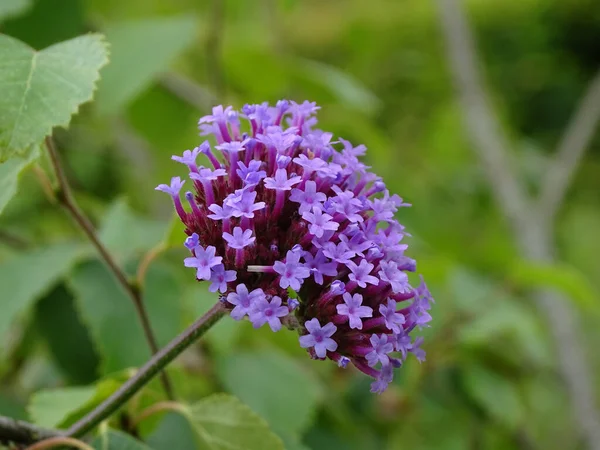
(292, 229)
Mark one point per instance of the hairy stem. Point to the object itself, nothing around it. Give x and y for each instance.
(65, 197)
(158, 362)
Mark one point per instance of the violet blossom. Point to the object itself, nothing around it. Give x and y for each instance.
(285, 207)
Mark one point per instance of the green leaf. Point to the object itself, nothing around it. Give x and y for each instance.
(222, 422)
(562, 277)
(125, 234)
(117, 440)
(173, 432)
(26, 277)
(12, 8)
(61, 407)
(140, 51)
(49, 408)
(42, 90)
(163, 296)
(9, 176)
(69, 342)
(262, 380)
(495, 394)
(110, 314)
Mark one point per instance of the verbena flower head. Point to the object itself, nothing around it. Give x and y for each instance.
(292, 229)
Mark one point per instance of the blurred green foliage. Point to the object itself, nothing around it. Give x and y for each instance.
(378, 70)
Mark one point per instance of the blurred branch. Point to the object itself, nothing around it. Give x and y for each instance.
(12, 430)
(575, 140)
(214, 44)
(13, 240)
(59, 441)
(483, 128)
(157, 363)
(65, 197)
(188, 91)
(531, 231)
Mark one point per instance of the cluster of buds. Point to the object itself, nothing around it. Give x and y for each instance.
(291, 228)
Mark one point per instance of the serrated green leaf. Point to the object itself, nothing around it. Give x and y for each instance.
(27, 276)
(12, 8)
(125, 234)
(42, 90)
(262, 380)
(9, 175)
(140, 50)
(222, 422)
(117, 440)
(495, 394)
(49, 408)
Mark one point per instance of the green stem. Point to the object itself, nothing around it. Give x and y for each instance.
(157, 363)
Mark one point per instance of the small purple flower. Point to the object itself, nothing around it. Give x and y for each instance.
(417, 350)
(319, 222)
(385, 378)
(220, 277)
(268, 312)
(360, 273)
(205, 174)
(251, 174)
(310, 164)
(293, 304)
(243, 300)
(203, 260)
(337, 287)
(353, 308)
(402, 343)
(393, 319)
(239, 239)
(188, 158)
(396, 278)
(339, 253)
(308, 198)
(220, 212)
(245, 206)
(319, 266)
(346, 204)
(173, 189)
(231, 147)
(357, 243)
(381, 348)
(292, 272)
(281, 182)
(191, 242)
(343, 362)
(319, 337)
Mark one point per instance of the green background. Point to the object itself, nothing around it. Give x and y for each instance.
(379, 71)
